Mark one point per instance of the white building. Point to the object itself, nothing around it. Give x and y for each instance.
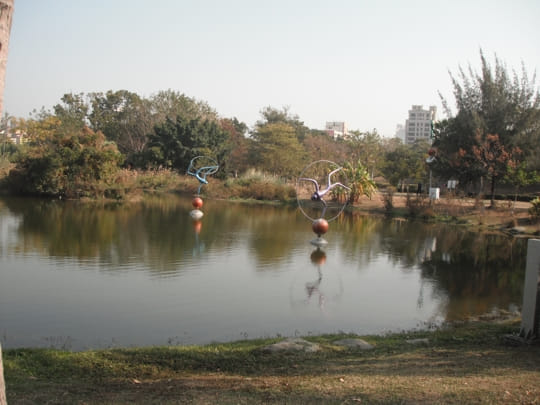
(418, 126)
(400, 132)
(336, 129)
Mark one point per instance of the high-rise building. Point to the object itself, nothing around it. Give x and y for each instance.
(6, 16)
(418, 126)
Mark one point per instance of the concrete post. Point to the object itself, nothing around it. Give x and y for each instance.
(530, 313)
(3, 400)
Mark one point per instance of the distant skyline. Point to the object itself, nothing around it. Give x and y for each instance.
(362, 62)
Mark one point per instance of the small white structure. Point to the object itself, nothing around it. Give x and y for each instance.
(434, 193)
(530, 313)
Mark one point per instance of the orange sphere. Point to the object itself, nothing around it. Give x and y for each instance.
(320, 226)
(197, 203)
(197, 225)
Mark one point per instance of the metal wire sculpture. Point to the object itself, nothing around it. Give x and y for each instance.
(200, 173)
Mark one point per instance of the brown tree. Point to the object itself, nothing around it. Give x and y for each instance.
(495, 158)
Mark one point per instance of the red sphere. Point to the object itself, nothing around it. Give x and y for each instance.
(197, 203)
(320, 226)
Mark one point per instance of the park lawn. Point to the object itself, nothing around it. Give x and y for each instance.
(471, 363)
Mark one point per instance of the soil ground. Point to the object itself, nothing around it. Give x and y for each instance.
(504, 216)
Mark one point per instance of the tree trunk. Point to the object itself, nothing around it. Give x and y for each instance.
(492, 191)
(3, 400)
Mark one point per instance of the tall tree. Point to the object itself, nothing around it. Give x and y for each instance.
(405, 162)
(171, 104)
(271, 115)
(72, 112)
(319, 145)
(236, 160)
(174, 143)
(366, 147)
(276, 149)
(490, 102)
(124, 118)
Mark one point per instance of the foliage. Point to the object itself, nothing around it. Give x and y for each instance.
(124, 118)
(72, 166)
(72, 112)
(494, 158)
(492, 102)
(405, 162)
(359, 181)
(257, 185)
(534, 210)
(276, 149)
(174, 143)
(367, 147)
(318, 145)
(236, 161)
(273, 115)
(519, 176)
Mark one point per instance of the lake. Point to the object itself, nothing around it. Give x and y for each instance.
(78, 276)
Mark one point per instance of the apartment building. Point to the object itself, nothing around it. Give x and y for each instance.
(336, 129)
(418, 126)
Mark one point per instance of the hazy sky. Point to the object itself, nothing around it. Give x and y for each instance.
(358, 61)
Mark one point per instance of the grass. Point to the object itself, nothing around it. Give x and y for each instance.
(461, 364)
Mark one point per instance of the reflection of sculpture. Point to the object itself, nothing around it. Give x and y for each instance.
(318, 257)
(198, 249)
(319, 194)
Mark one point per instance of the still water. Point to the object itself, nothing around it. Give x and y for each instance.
(91, 275)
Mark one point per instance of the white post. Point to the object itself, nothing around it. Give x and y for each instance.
(530, 313)
(3, 400)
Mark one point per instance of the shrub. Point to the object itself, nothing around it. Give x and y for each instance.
(534, 210)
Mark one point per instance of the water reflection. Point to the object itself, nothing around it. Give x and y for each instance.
(243, 270)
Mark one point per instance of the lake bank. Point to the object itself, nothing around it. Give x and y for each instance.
(466, 363)
(507, 216)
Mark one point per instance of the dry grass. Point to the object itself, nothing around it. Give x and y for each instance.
(470, 364)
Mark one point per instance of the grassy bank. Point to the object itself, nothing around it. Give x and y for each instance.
(470, 363)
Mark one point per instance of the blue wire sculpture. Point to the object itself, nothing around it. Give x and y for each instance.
(201, 172)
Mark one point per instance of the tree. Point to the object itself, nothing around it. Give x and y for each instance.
(490, 102)
(73, 165)
(319, 145)
(72, 112)
(494, 158)
(171, 104)
(405, 162)
(276, 149)
(174, 143)
(236, 160)
(273, 115)
(124, 118)
(367, 148)
(519, 176)
(454, 157)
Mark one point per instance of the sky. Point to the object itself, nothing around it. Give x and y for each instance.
(364, 62)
